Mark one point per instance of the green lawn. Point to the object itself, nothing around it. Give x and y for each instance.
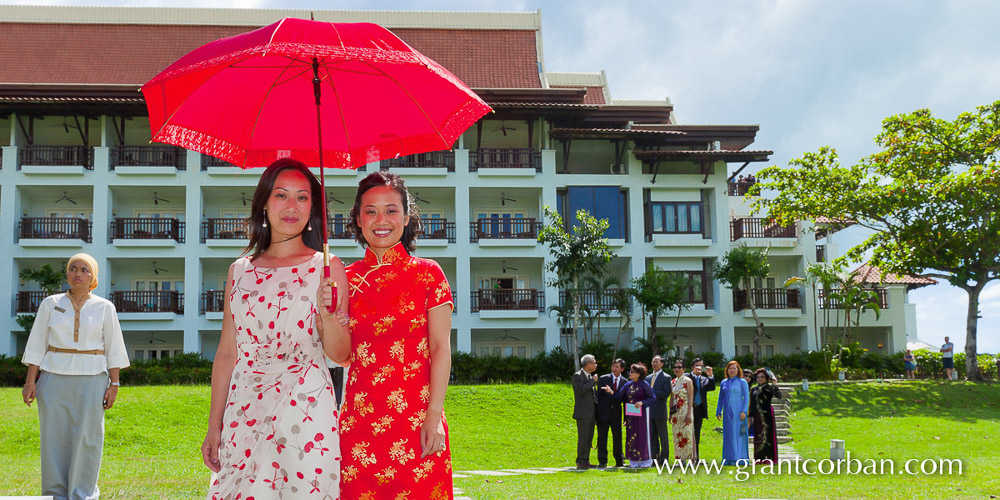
(153, 435)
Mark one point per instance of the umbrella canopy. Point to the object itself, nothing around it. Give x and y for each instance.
(250, 99)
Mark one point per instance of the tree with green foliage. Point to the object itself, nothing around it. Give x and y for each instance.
(574, 254)
(929, 197)
(658, 291)
(49, 280)
(741, 267)
(602, 287)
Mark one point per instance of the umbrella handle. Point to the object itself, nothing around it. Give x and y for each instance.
(333, 288)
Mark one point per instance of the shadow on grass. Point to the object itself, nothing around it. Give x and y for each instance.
(963, 401)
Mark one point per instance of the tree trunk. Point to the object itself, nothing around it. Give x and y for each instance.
(758, 330)
(971, 322)
(677, 322)
(815, 301)
(652, 325)
(576, 321)
(619, 337)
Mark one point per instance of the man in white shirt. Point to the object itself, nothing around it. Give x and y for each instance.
(948, 357)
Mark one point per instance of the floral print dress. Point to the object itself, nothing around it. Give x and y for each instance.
(388, 389)
(280, 436)
(683, 429)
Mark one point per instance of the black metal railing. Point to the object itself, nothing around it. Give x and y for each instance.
(211, 161)
(832, 300)
(437, 229)
(56, 156)
(737, 188)
(131, 301)
(433, 159)
(149, 156)
(337, 229)
(608, 301)
(508, 299)
(223, 229)
(213, 301)
(147, 228)
(504, 229)
(506, 158)
(28, 302)
(758, 228)
(56, 228)
(767, 298)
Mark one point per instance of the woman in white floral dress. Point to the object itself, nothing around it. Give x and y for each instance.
(273, 429)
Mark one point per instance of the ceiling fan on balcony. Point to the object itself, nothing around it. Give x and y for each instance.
(154, 338)
(504, 267)
(503, 128)
(156, 270)
(66, 197)
(331, 199)
(504, 199)
(418, 199)
(157, 199)
(66, 125)
(242, 199)
(507, 336)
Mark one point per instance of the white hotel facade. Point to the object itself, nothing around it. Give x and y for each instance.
(78, 174)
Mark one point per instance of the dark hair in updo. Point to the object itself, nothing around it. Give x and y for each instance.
(410, 208)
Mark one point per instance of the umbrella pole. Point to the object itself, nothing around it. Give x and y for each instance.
(322, 182)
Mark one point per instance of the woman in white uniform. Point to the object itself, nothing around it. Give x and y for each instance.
(77, 345)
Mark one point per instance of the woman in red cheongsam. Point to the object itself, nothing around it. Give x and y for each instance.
(393, 434)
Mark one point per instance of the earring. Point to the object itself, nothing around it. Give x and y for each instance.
(265, 218)
(309, 227)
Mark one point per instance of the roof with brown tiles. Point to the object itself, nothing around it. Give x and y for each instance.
(869, 274)
(595, 95)
(131, 54)
(703, 155)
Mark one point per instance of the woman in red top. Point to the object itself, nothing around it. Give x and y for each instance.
(393, 434)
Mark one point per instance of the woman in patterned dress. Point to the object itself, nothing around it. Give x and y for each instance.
(272, 427)
(765, 432)
(638, 392)
(394, 437)
(682, 414)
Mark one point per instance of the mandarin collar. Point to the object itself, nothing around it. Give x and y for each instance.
(394, 255)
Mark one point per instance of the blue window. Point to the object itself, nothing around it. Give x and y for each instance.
(602, 202)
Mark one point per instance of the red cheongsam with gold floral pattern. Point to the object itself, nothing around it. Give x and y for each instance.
(388, 390)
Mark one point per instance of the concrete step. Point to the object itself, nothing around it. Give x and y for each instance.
(784, 439)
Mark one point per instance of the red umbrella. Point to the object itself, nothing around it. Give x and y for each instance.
(253, 98)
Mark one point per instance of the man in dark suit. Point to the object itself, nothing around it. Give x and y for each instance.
(610, 414)
(703, 382)
(585, 409)
(659, 436)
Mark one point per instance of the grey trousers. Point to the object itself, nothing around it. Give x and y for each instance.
(71, 417)
(584, 439)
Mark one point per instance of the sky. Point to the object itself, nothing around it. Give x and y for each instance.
(809, 72)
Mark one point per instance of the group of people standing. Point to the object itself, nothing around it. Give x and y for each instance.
(658, 409)
(275, 428)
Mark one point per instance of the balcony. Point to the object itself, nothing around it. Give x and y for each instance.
(213, 301)
(758, 228)
(832, 301)
(148, 158)
(767, 298)
(437, 229)
(136, 301)
(28, 302)
(45, 157)
(739, 188)
(224, 229)
(147, 229)
(435, 160)
(608, 302)
(514, 228)
(508, 299)
(820, 253)
(505, 158)
(55, 228)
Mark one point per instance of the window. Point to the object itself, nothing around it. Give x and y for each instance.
(501, 222)
(602, 202)
(338, 221)
(767, 350)
(504, 349)
(235, 214)
(675, 217)
(157, 352)
(69, 214)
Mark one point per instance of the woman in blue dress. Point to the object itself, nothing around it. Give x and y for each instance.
(639, 393)
(734, 402)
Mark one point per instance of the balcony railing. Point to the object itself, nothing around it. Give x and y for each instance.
(831, 301)
(767, 298)
(504, 229)
(213, 301)
(506, 158)
(588, 298)
(149, 156)
(132, 301)
(56, 156)
(147, 228)
(508, 299)
(336, 229)
(820, 253)
(739, 188)
(758, 228)
(211, 161)
(223, 229)
(28, 302)
(437, 229)
(434, 159)
(56, 228)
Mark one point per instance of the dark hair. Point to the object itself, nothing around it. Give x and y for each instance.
(761, 371)
(640, 369)
(410, 208)
(696, 361)
(739, 371)
(260, 236)
(620, 362)
(678, 360)
(747, 371)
